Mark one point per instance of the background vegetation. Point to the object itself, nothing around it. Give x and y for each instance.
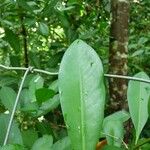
(37, 33)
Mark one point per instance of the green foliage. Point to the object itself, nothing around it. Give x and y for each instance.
(12, 40)
(7, 96)
(114, 132)
(138, 96)
(79, 99)
(44, 143)
(15, 134)
(113, 127)
(63, 144)
(29, 137)
(43, 94)
(108, 147)
(13, 147)
(45, 29)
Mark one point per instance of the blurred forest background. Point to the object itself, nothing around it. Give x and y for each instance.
(38, 32)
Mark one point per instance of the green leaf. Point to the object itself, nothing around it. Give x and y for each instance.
(50, 7)
(7, 96)
(48, 105)
(13, 40)
(25, 97)
(6, 80)
(15, 135)
(113, 126)
(13, 147)
(43, 143)
(43, 94)
(110, 147)
(63, 144)
(142, 142)
(14, 60)
(30, 108)
(114, 132)
(44, 128)
(149, 107)
(54, 86)
(118, 116)
(23, 4)
(28, 142)
(138, 95)
(35, 83)
(82, 95)
(43, 28)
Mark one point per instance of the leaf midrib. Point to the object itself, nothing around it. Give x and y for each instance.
(82, 118)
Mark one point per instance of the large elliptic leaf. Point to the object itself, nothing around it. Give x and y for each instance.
(82, 95)
(138, 96)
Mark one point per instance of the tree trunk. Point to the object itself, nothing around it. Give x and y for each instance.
(118, 52)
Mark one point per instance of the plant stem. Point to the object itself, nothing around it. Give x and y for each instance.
(142, 143)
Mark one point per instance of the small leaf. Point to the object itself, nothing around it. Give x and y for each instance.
(114, 132)
(43, 94)
(50, 7)
(35, 83)
(118, 116)
(48, 105)
(7, 96)
(13, 40)
(138, 95)
(142, 40)
(6, 80)
(113, 126)
(54, 86)
(63, 144)
(137, 53)
(82, 102)
(15, 135)
(44, 128)
(30, 108)
(43, 143)
(28, 142)
(25, 97)
(43, 28)
(23, 4)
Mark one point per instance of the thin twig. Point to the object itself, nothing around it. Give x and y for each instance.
(56, 73)
(45, 72)
(12, 68)
(127, 77)
(33, 70)
(117, 138)
(15, 106)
